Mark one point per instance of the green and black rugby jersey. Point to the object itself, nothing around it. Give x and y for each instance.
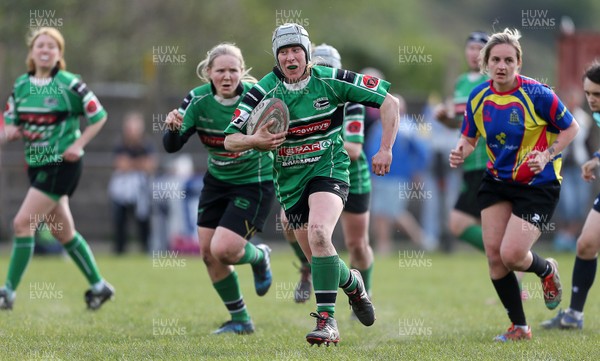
(204, 115)
(354, 131)
(49, 113)
(313, 145)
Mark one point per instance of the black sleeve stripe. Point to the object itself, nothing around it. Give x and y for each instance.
(186, 102)
(253, 97)
(337, 118)
(371, 104)
(345, 75)
(80, 88)
(354, 109)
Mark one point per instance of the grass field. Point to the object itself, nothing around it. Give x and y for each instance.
(429, 307)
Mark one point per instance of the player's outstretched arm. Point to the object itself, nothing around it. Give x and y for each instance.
(390, 116)
(262, 140)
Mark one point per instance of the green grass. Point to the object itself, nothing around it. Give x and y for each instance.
(433, 308)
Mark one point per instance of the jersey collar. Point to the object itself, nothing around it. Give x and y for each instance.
(52, 73)
(519, 83)
(281, 77)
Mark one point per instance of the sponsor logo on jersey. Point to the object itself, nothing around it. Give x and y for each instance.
(345, 75)
(231, 155)
(80, 88)
(205, 119)
(354, 127)
(186, 102)
(514, 118)
(92, 107)
(501, 138)
(239, 118)
(305, 148)
(310, 128)
(9, 108)
(369, 82)
(321, 103)
(212, 141)
(50, 102)
(236, 114)
(300, 161)
(38, 119)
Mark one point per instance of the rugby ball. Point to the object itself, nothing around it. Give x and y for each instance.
(272, 108)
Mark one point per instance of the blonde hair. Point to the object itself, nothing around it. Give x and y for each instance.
(54, 34)
(508, 36)
(223, 49)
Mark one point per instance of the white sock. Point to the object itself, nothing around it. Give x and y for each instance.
(578, 315)
(10, 293)
(97, 287)
(523, 327)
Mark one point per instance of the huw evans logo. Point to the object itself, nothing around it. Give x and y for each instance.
(537, 19)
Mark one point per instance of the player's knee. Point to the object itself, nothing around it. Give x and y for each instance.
(223, 254)
(204, 248)
(513, 258)
(586, 247)
(455, 228)
(207, 258)
(60, 234)
(317, 236)
(353, 243)
(357, 245)
(494, 259)
(23, 225)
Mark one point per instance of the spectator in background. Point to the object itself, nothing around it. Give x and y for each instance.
(1, 129)
(437, 177)
(441, 182)
(175, 194)
(2, 140)
(134, 164)
(391, 195)
(575, 192)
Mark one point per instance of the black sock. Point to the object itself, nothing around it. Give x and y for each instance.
(510, 295)
(539, 266)
(584, 273)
